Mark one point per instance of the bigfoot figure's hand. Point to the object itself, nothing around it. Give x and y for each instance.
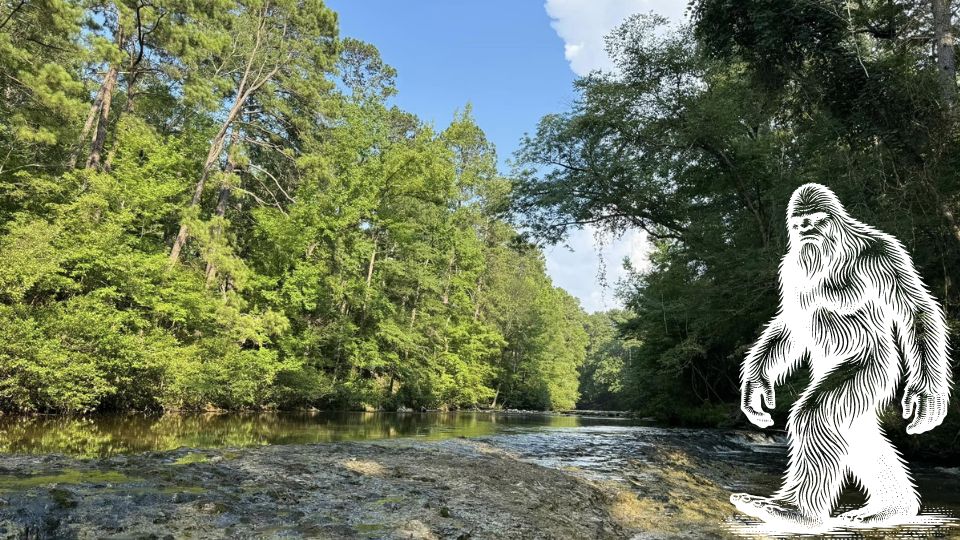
(930, 409)
(753, 394)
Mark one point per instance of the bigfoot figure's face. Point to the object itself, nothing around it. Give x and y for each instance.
(812, 228)
(815, 221)
(812, 216)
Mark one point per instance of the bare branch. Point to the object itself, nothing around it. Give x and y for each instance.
(275, 181)
(12, 13)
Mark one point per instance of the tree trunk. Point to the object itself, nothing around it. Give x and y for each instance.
(947, 70)
(100, 137)
(445, 297)
(476, 299)
(951, 220)
(223, 198)
(944, 42)
(249, 83)
(366, 290)
(413, 308)
(106, 98)
(127, 109)
(216, 147)
(373, 260)
(87, 126)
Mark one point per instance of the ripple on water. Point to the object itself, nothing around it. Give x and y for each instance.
(740, 461)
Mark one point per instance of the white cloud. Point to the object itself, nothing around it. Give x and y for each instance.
(582, 267)
(582, 24)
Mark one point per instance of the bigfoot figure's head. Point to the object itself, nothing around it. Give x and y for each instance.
(817, 223)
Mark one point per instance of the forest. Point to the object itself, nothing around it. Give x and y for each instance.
(215, 205)
(700, 136)
(212, 205)
(245, 293)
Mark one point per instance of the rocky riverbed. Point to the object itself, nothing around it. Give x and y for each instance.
(593, 482)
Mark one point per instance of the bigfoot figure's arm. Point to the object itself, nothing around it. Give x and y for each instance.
(923, 339)
(767, 362)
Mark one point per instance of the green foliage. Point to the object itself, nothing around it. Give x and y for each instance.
(605, 382)
(338, 252)
(699, 138)
(543, 327)
(42, 88)
(674, 144)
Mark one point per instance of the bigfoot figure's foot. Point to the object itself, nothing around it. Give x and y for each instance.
(775, 512)
(874, 515)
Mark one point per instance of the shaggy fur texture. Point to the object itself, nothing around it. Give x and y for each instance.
(849, 297)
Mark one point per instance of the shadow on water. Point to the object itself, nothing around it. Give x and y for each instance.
(107, 435)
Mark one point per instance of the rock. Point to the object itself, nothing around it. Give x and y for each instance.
(63, 498)
(480, 488)
(226, 520)
(185, 497)
(210, 507)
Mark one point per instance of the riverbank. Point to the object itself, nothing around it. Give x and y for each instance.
(393, 489)
(579, 482)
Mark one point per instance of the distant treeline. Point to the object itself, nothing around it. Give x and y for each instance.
(211, 204)
(699, 138)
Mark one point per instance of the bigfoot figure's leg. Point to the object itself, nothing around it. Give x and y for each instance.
(876, 464)
(815, 473)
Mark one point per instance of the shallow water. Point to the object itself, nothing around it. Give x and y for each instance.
(107, 435)
(742, 461)
(605, 449)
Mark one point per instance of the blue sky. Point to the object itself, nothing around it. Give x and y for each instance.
(513, 61)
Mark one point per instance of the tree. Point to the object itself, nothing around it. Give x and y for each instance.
(120, 42)
(605, 375)
(41, 85)
(345, 253)
(700, 136)
(275, 47)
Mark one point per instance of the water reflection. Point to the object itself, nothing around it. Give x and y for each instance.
(105, 435)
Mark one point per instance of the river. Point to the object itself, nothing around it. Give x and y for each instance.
(112, 434)
(370, 475)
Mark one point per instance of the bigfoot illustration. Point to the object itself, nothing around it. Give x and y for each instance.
(849, 297)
